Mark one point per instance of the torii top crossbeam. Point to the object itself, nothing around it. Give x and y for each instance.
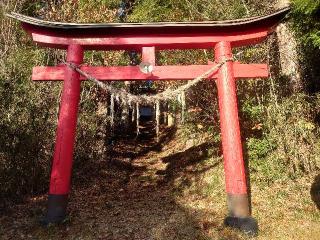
(147, 38)
(162, 35)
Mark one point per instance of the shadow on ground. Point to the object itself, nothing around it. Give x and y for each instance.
(118, 203)
(178, 163)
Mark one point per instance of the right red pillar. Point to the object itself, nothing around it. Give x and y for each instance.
(235, 172)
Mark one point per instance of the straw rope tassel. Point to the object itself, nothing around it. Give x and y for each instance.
(138, 117)
(183, 106)
(112, 111)
(158, 119)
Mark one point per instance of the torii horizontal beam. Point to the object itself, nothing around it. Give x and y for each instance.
(159, 73)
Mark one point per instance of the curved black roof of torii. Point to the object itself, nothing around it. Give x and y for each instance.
(155, 27)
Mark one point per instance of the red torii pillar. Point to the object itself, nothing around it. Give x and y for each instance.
(234, 167)
(222, 36)
(66, 131)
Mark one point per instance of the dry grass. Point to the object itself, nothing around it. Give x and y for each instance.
(284, 209)
(166, 195)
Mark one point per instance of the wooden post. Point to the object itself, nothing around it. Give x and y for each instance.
(63, 153)
(235, 175)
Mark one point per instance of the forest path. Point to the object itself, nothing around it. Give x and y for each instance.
(129, 195)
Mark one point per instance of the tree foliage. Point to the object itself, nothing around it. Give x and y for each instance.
(307, 21)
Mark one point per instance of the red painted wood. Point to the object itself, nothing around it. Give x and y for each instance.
(159, 73)
(235, 176)
(63, 153)
(160, 41)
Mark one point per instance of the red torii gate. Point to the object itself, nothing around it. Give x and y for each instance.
(223, 36)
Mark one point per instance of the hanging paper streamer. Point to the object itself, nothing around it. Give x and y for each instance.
(183, 106)
(133, 115)
(138, 117)
(117, 97)
(158, 119)
(129, 103)
(112, 111)
(179, 98)
(125, 113)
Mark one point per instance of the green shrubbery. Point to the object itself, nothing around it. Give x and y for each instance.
(307, 21)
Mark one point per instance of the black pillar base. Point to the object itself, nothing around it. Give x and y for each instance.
(248, 225)
(57, 209)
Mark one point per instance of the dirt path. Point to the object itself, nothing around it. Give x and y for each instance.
(128, 196)
(144, 190)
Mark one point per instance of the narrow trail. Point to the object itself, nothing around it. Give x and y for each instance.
(144, 207)
(126, 196)
(143, 190)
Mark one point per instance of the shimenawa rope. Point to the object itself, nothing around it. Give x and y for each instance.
(167, 94)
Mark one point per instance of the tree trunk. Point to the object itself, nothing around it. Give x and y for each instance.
(288, 52)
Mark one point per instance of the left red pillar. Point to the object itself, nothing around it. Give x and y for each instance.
(65, 138)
